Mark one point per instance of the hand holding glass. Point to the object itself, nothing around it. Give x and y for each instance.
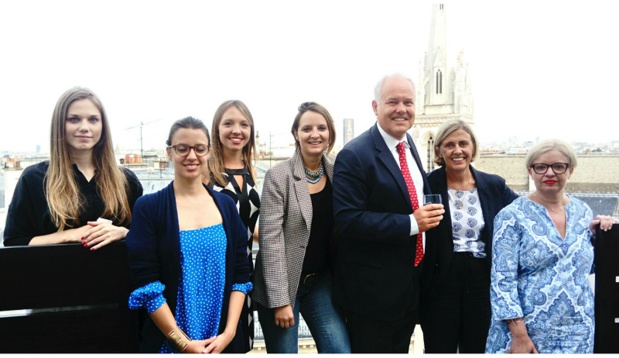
(432, 199)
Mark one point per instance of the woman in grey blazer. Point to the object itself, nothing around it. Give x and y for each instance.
(293, 266)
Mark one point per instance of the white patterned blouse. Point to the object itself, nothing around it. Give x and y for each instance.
(467, 221)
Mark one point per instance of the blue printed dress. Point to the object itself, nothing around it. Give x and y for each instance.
(201, 288)
(542, 277)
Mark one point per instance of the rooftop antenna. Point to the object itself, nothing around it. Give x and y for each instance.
(141, 125)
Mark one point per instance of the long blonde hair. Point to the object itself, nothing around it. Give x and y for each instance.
(216, 160)
(64, 199)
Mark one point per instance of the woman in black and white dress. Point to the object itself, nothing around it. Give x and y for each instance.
(231, 171)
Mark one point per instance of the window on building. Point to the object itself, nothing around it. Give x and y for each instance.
(439, 82)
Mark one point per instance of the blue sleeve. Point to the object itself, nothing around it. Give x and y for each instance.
(243, 287)
(241, 271)
(505, 264)
(149, 297)
(141, 241)
(588, 217)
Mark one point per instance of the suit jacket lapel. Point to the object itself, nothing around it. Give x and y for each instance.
(385, 156)
(328, 168)
(484, 199)
(440, 181)
(426, 184)
(301, 190)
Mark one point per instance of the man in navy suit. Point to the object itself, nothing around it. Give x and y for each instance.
(376, 281)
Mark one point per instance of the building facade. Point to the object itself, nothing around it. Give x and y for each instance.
(349, 130)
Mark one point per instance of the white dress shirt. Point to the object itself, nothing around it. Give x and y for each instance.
(392, 144)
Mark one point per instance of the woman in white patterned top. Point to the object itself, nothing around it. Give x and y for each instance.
(455, 297)
(231, 172)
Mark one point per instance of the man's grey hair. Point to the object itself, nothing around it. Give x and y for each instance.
(379, 85)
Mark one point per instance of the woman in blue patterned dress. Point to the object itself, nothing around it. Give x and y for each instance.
(188, 256)
(542, 301)
(231, 172)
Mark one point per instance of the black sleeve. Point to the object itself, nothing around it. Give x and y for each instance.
(135, 187)
(508, 194)
(28, 215)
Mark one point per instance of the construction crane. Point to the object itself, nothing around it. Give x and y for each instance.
(141, 125)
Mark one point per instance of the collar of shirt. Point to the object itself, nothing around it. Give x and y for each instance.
(416, 175)
(390, 141)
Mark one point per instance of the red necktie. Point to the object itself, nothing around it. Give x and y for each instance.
(412, 192)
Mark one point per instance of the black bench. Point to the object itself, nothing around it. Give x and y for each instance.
(66, 299)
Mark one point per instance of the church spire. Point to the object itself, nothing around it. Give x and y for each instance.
(444, 89)
(437, 83)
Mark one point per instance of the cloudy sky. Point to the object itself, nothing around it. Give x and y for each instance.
(539, 69)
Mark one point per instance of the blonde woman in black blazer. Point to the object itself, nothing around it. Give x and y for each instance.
(293, 267)
(455, 280)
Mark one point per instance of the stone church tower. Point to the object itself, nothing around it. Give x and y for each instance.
(443, 89)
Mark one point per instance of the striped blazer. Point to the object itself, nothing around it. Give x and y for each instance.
(285, 225)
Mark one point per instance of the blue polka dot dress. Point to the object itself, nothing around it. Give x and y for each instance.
(201, 288)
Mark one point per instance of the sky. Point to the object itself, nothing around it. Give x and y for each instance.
(539, 69)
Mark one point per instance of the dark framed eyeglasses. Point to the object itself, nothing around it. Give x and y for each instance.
(557, 168)
(183, 149)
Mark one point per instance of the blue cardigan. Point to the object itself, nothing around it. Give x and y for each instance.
(153, 248)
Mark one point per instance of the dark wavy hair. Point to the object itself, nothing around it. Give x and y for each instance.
(188, 123)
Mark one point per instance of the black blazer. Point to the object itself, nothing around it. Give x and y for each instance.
(374, 272)
(494, 195)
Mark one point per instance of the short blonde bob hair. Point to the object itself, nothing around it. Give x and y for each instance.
(546, 146)
(445, 130)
